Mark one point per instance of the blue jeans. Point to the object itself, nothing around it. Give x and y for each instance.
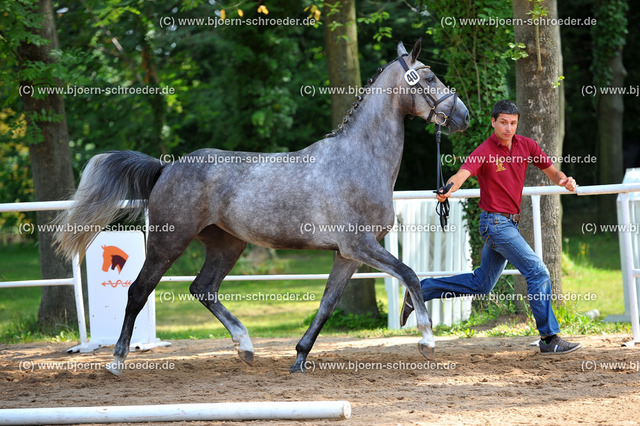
(503, 243)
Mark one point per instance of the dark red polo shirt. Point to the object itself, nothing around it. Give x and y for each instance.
(501, 171)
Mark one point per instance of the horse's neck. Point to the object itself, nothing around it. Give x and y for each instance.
(376, 133)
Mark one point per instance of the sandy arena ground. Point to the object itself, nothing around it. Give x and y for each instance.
(476, 380)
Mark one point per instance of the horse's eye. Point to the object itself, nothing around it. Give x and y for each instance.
(431, 78)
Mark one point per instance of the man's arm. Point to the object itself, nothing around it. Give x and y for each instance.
(458, 179)
(559, 178)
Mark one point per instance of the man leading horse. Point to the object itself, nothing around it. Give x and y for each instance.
(500, 163)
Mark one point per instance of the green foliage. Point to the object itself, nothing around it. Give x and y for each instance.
(608, 37)
(516, 51)
(339, 321)
(15, 182)
(383, 32)
(558, 81)
(538, 10)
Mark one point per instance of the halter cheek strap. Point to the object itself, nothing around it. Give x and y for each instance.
(413, 79)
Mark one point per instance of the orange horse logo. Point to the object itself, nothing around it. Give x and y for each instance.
(114, 257)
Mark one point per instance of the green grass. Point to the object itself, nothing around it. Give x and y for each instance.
(591, 279)
(266, 318)
(591, 268)
(18, 306)
(591, 265)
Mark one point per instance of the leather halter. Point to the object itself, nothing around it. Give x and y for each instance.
(431, 100)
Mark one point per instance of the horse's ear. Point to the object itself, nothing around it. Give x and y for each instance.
(401, 49)
(415, 52)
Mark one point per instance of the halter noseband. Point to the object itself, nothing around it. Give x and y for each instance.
(432, 101)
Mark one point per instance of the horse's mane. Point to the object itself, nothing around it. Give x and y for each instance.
(359, 99)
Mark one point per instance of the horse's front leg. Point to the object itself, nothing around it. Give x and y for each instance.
(368, 250)
(342, 270)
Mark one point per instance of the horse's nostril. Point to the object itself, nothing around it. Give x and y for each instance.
(466, 118)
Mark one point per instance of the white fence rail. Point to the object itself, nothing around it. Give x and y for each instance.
(534, 192)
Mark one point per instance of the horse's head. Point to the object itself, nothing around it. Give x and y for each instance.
(113, 257)
(426, 96)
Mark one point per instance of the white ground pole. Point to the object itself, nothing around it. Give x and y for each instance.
(285, 410)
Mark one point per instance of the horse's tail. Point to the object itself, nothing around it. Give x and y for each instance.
(107, 179)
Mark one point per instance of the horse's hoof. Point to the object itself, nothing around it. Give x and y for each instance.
(427, 351)
(246, 356)
(116, 367)
(114, 371)
(296, 368)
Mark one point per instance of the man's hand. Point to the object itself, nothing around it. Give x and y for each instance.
(443, 193)
(453, 184)
(443, 197)
(559, 178)
(568, 183)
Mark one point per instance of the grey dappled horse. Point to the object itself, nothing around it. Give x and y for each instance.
(272, 204)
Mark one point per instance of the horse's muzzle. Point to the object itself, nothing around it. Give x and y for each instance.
(459, 118)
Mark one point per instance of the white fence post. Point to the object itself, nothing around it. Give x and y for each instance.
(77, 290)
(537, 227)
(632, 273)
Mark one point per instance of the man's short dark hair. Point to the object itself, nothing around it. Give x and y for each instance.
(505, 107)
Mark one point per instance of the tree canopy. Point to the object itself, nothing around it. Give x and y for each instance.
(238, 86)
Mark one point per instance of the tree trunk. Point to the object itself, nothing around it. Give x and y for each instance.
(52, 173)
(538, 98)
(341, 47)
(609, 112)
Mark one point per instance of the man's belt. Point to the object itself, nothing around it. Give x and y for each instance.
(515, 218)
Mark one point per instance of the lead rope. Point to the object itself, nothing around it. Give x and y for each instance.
(442, 209)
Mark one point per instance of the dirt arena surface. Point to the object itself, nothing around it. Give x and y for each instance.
(472, 381)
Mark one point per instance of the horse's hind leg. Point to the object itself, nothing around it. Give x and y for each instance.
(223, 250)
(163, 249)
(342, 270)
(369, 251)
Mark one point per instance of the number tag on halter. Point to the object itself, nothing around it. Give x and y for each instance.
(412, 77)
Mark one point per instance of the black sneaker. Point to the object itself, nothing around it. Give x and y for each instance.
(407, 308)
(558, 346)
